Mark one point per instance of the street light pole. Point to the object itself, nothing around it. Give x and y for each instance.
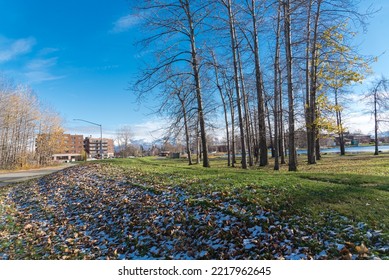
(101, 133)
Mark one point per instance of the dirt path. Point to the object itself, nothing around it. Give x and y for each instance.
(19, 176)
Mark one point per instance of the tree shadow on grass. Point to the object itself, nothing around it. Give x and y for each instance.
(360, 197)
(350, 180)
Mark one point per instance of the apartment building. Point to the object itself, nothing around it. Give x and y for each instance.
(60, 147)
(70, 148)
(93, 147)
(72, 144)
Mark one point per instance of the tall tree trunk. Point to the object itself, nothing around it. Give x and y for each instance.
(245, 108)
(263, 157)
(253, 138)
(270, 129)
(227, 132)
(317, 145)
(276, 92)
(282, 139)
(376, 152)
(215, 65)
(308, 83)
(187, 136)
(198, 144)
(289, 65)
(196, 75)
(256, 136)
(314, 85)
(339, 125)
(230, 95)
(237, 86)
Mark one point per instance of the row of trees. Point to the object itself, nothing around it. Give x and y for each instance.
(267, 64)
(22, 118)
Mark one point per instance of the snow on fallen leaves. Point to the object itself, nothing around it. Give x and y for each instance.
(94, 212)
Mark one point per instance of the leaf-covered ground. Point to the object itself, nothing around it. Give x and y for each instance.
(95, 211)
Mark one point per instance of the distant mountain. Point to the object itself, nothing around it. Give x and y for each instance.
(384, 134)
(146, 143)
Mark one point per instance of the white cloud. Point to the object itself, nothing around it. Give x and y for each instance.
(47, 51)
(41, 63)
(359, 121)
(150, 130)
(41, 76)
(39, 70)
(10, 49)
(35, 70)
(355, 115)
(126, 22)
(86, 130)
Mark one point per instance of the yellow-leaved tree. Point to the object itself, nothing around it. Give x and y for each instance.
(339, 68)
(49, 138)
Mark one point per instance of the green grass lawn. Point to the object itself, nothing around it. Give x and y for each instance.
(329, 209)
(356, 186)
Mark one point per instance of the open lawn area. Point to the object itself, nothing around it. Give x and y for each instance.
(355, 186)
(153, 208)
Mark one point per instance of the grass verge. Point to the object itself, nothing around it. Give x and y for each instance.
(356, 186)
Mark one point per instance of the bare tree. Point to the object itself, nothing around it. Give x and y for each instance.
(124, 136)
(181, 113)
(219, 86)
(289, 66)
(181, 20)
(230, 95)
(181, 34)
(246, 116)
(311, 76)
(378, 99)
(277, 78)
(234, 45)
(251, 7)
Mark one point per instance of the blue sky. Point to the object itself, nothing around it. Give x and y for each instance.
(78, 56)
(374, 42)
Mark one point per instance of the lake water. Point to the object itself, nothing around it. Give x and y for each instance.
(364, 149)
